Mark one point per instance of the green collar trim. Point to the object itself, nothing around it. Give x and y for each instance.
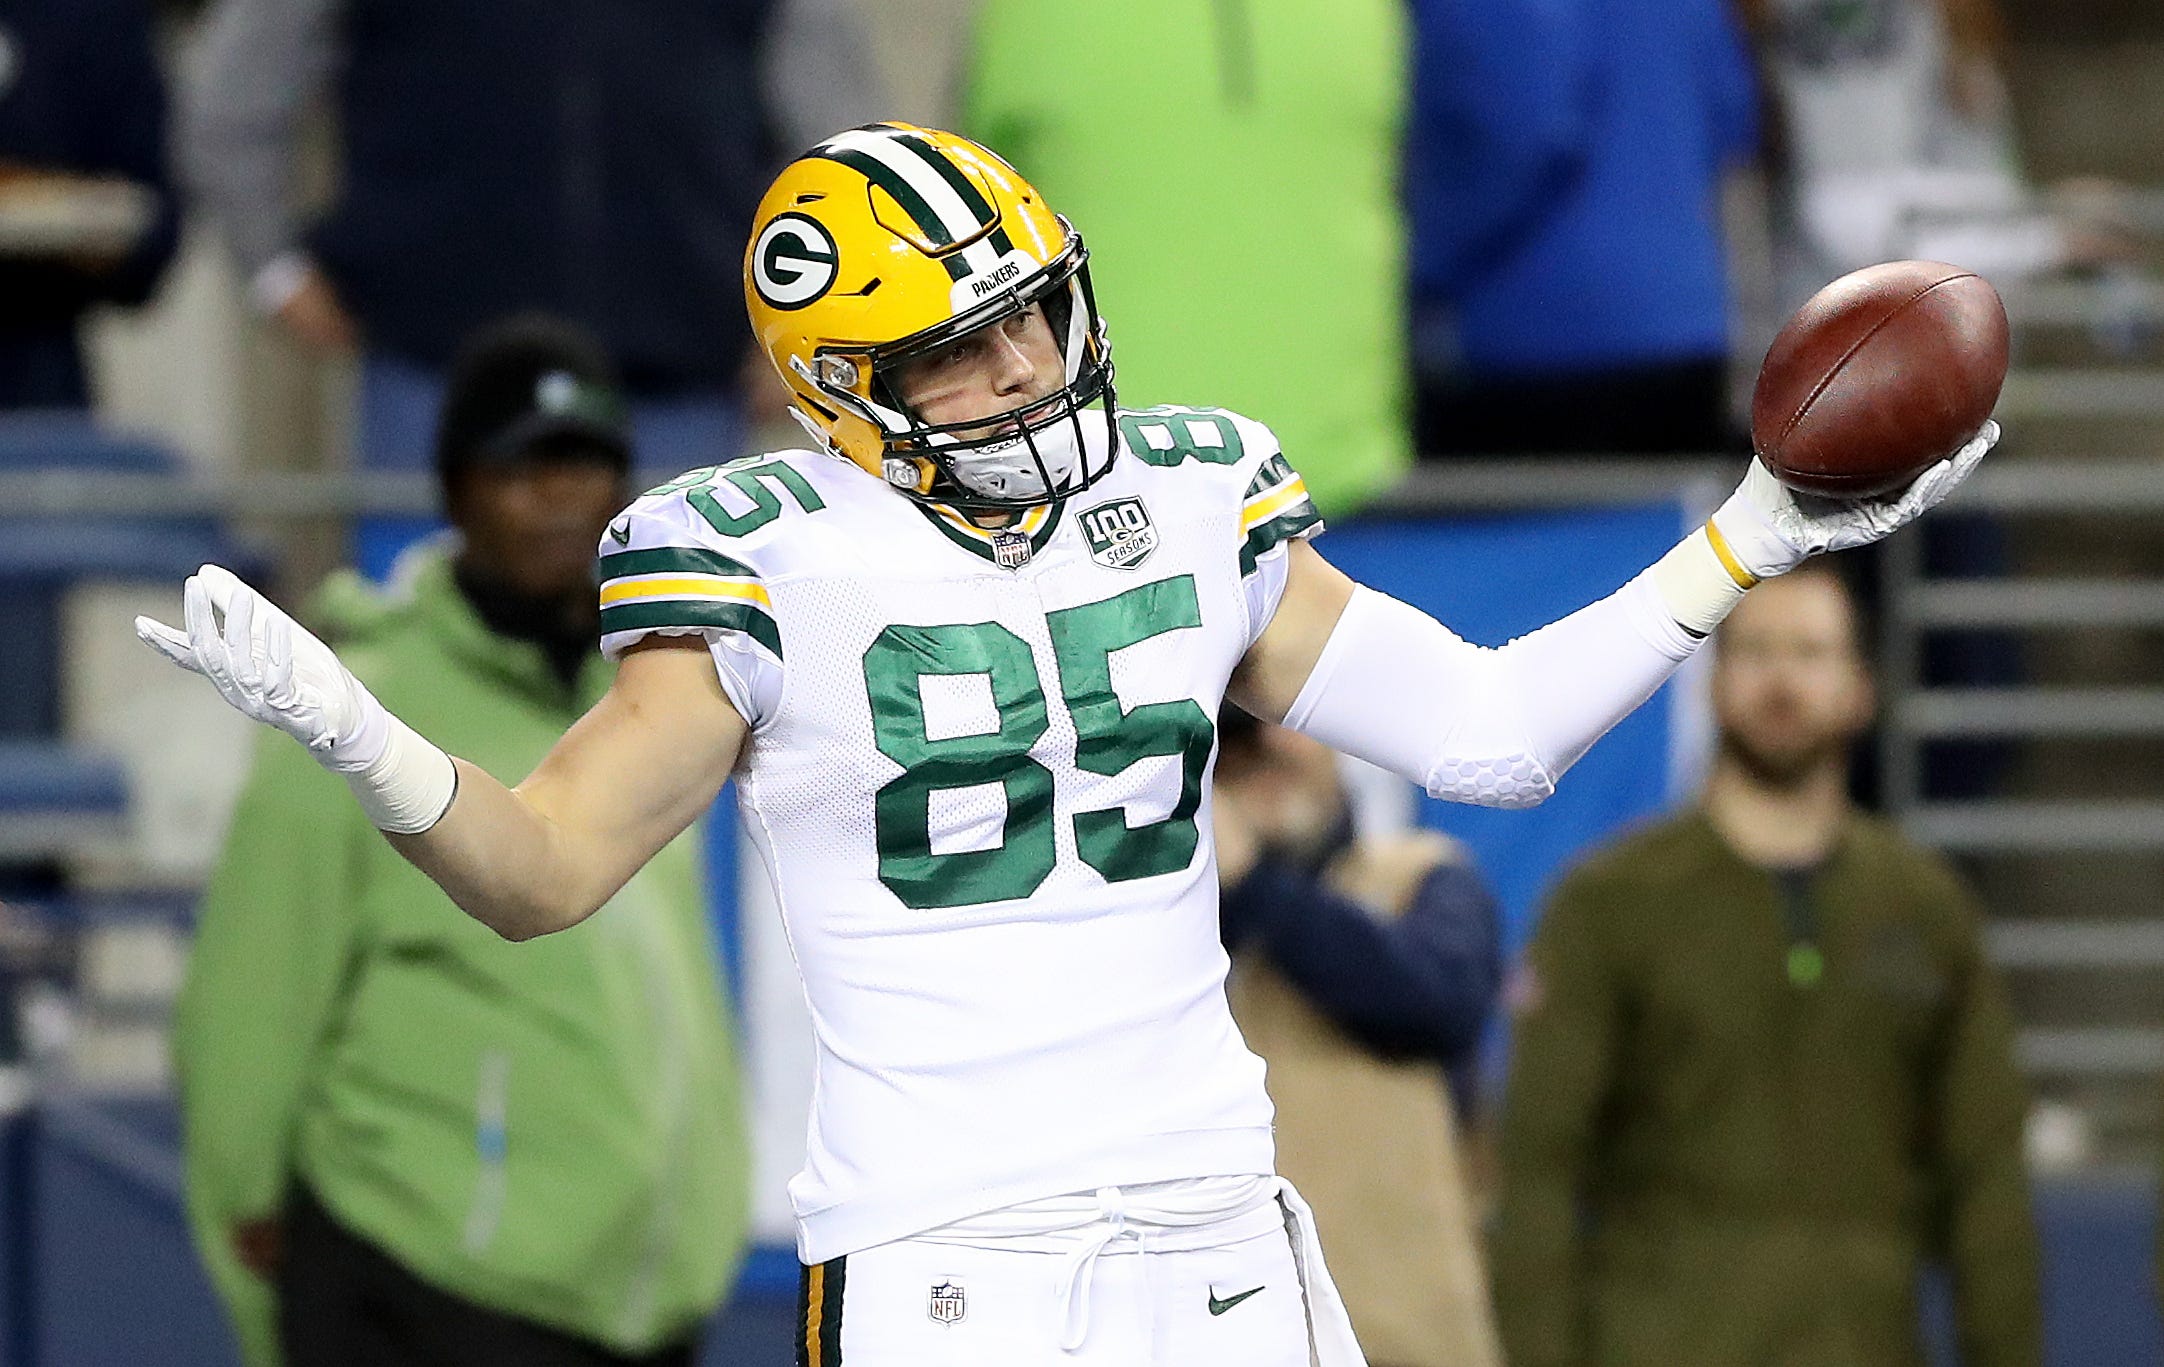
(978, 542)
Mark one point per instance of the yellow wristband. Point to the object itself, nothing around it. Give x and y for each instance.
(1697, 583)
(1727, 556)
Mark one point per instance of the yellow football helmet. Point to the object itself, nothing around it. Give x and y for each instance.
(890, 241)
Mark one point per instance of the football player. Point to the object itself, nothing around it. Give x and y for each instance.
(962, 654)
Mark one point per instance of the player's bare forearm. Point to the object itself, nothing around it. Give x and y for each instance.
(506, 863)
(623, 782)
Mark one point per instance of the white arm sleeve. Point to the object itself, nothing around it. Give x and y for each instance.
(1492, 726)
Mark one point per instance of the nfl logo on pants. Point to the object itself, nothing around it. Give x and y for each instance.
(947, 1305)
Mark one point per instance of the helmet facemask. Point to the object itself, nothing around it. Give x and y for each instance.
(1037, 453)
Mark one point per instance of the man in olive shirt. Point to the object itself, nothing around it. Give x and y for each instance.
(1763, 1071)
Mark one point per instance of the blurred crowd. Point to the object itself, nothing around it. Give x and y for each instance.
(1762, 1070)
(1504, 225)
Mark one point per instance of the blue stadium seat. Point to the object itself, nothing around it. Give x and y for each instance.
(54, 798)
(61, 439)
(64, 549)
(41, 557)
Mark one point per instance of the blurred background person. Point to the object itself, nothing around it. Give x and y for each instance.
(1891, 136)
(1234, 169)
(1763, 1070)
(87, 214)
(1363, 971)
(491, 160)
(1563, 174)
(409, 1141)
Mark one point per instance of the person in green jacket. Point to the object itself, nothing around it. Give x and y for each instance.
(1234, 167)
(1763, 1071)
(409, 1140)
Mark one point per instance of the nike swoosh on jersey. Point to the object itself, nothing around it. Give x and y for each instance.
(1219, 1307)
(621, 531)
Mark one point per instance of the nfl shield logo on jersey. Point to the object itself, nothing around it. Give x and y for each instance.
(1120, 533)
(1010, 550)
(947, 1304)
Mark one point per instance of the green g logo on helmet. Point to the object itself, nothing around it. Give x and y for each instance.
(794, 261)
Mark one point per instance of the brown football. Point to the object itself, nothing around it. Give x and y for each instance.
(1885, 372)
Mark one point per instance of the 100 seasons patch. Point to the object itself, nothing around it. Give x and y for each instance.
(1120, 533)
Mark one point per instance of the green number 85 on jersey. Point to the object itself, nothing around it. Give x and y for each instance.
(1109, 738)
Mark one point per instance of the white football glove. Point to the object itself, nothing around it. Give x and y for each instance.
(1772, 529)
(272, 670)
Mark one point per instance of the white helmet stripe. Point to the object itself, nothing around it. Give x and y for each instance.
(921, 177)
(981, 257)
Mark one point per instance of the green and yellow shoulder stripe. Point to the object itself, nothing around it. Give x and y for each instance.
(1276, 509)
(684, 587)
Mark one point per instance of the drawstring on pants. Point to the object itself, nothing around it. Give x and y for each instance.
(1160, 1218)
(1080, 1267)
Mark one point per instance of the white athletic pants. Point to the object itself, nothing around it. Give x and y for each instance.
(1217, 1272)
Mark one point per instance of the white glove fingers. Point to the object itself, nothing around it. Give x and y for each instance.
(242, 607)
(1771, 528)
(1933, 485)
(1972, 455)
(240, 641)
(278, 659)
(204, 638)
(221, 584)
(172, 644)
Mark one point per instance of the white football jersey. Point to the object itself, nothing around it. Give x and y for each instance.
(978, 776)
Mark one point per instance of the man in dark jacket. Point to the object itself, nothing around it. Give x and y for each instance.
(1764, 1071)
(86, 213)
(598, 164)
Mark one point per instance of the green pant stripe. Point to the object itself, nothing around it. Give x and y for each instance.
(819, 1313)
(830, 1311)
